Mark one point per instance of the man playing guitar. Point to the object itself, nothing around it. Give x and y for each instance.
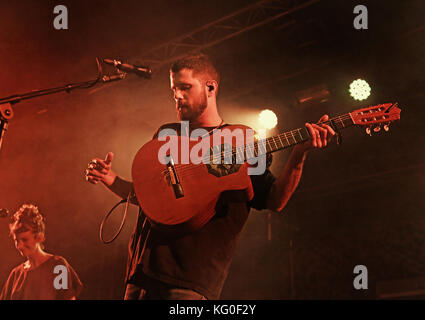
(194, 265)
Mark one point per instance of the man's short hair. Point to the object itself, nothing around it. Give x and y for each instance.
(201, 65)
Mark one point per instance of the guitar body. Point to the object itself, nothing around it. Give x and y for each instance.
(189, 204)
(182, 196)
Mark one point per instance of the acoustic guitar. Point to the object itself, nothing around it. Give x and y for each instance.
(178, 194)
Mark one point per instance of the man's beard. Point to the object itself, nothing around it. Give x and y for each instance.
(191, 114)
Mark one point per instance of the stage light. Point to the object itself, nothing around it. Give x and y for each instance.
(359, 89)
(267, 119)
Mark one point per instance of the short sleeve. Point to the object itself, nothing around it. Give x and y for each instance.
(174, 127)
(74, 283)
(6, 292)
(262, 185)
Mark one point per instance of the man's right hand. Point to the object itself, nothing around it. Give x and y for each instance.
(100, 170)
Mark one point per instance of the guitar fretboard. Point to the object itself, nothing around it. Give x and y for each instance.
(287, 139)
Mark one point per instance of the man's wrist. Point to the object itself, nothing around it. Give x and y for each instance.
(112, 178)
(121, 187)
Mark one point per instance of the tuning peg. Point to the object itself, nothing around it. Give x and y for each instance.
(377, 129)
(386, 127)
(368, 131)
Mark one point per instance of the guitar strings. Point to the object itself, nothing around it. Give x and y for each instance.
(223, 154)
(182, 168)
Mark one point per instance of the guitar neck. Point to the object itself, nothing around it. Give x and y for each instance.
(290, 138)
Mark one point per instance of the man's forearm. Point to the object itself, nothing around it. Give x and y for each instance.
(122, 188)
(285, 185)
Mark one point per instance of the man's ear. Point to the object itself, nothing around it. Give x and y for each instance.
(212, 86)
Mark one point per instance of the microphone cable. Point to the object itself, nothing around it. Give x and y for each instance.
(105, 218)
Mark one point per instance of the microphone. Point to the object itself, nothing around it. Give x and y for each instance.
(4, 213)
(141, 71)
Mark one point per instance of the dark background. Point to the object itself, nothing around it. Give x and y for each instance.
(358, 204)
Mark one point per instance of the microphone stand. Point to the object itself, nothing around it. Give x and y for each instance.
(6, 110)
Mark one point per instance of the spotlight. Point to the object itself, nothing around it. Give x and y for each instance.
(267, 119)
(359, 89)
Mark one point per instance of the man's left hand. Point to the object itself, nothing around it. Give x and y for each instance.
(320, 135)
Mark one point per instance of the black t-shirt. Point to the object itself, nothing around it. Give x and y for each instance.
(199, 260)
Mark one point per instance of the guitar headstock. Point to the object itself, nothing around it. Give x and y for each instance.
(376, 116)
